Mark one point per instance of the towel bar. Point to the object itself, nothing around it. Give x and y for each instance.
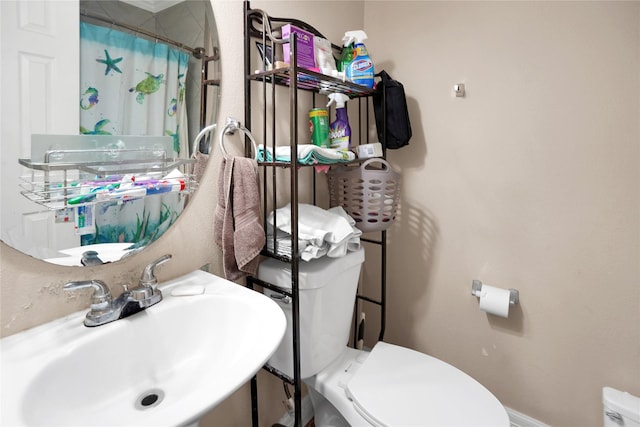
(230, 127)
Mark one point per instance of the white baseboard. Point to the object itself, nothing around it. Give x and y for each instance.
(518, 419)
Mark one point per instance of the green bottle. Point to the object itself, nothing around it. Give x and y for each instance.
(346, 57)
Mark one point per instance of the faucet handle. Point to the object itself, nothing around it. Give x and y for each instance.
(101, 297)
(148, 278)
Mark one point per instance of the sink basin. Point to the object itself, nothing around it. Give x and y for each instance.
(164, 366)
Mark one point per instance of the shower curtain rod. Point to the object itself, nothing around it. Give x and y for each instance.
(197, 52)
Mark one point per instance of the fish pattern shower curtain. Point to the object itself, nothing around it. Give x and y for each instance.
(132, 86)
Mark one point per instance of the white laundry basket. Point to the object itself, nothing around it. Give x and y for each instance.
(369, 193)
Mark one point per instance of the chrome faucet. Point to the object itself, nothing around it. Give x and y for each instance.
(90, 258)
(105, 309)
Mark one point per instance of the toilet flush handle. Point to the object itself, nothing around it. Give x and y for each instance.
(280, 298)
(614, 416)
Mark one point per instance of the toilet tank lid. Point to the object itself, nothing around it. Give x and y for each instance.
(622, 402)
(311, 274)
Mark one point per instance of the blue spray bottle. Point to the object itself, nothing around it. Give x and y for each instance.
(360, 70)
(339, 129)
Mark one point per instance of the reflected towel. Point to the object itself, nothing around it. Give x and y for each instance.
(197, 172)
(238, 227)
(198, 168)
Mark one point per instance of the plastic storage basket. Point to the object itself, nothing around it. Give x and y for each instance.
(369, 193)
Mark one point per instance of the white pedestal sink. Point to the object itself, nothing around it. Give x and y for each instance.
(164, 366)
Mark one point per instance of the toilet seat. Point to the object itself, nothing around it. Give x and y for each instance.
(395, 386)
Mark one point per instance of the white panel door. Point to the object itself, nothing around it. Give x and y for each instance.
(39, 74)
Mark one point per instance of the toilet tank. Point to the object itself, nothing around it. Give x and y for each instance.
(327, 290)
(620, 408)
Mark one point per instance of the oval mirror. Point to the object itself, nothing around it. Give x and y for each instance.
(104, 103)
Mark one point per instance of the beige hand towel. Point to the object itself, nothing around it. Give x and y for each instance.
(238, 220)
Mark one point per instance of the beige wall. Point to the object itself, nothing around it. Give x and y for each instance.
(531, 181)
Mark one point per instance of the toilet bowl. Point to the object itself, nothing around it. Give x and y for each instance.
(388, 386)
(396, 386)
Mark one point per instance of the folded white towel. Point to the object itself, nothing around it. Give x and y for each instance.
(308, 154)
(282, 245)
(314, 223)
(352, 242)
(320, 232)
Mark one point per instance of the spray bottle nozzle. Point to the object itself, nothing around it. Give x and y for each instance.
(339, 98)
(347, 40)
(357, 36)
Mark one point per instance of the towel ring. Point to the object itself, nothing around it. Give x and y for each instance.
(196, 142)
(229, 129)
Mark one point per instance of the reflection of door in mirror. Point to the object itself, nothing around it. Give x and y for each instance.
(45, 37)
(39, 87)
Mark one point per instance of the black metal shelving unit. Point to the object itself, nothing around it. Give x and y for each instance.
(294, 80)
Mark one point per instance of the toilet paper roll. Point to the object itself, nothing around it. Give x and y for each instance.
(494, 300)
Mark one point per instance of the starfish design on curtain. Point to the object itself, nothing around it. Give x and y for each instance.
(110, 63)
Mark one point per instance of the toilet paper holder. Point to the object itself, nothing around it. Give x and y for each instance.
(476, 288)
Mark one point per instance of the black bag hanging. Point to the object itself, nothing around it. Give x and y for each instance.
(389, 93)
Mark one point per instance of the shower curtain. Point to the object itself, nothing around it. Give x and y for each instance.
(132, 86)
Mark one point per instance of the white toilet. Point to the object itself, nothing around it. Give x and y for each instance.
(620, 408)
(389, 386)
